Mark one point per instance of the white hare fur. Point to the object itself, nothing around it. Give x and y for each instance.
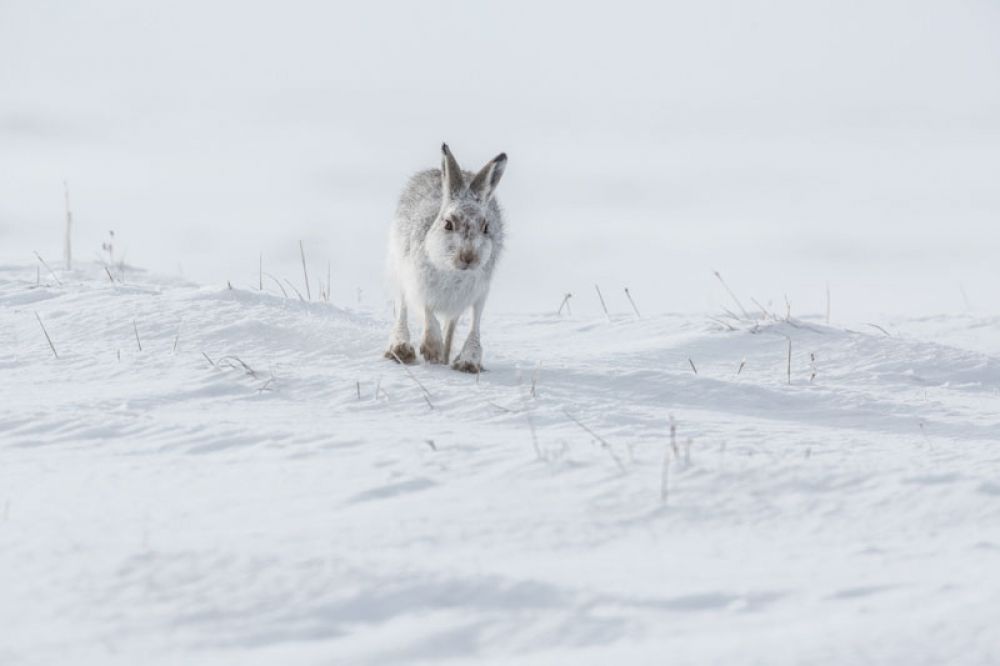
(445, 241)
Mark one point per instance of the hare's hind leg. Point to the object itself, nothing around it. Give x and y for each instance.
(432, 348)
(400, 349)
(470, 359)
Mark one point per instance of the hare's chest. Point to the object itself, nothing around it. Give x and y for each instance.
(451, 292)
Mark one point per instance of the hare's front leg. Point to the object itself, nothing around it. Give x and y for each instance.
(432, 348)
(471, 357)
(400, 349)
(449, 334)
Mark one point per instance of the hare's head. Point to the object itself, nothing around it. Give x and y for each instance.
(467, 227)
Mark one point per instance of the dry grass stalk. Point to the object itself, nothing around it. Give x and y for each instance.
(880, 328)
(49, 269)
(673, 437)
(827, 303)
(629, 295)
(427, 394)
(604, 443)
(534, 379)
(136, 330)
(305, 273)
(789, 361)
(693, 367)
(565, 303)
(665, 470)
(534, 435)
(68, 242)
(297, 292)
(733, 296)
(665, 476)
(763, 310)
(51, 346)
(278, 282)
(603, 304)
(232, 360)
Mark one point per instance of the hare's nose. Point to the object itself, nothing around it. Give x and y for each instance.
(466, 258)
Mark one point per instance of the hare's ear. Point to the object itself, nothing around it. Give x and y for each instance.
(451, 174)
(488, 177)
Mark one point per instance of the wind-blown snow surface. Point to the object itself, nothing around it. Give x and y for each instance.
(156, 508)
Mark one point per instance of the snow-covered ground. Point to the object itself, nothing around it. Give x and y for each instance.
(172, 505)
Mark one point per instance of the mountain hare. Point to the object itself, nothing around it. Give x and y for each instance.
(445, 241)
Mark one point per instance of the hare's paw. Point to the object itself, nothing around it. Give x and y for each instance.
(470, 360)
(472, 367)
(401, 352)
(433, 351)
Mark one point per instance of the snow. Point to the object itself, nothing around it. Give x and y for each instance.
(256, 485)
(158, 508)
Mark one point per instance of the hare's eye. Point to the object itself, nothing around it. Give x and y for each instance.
(448, 226)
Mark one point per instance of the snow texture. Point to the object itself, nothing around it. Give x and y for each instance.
(258, 485)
